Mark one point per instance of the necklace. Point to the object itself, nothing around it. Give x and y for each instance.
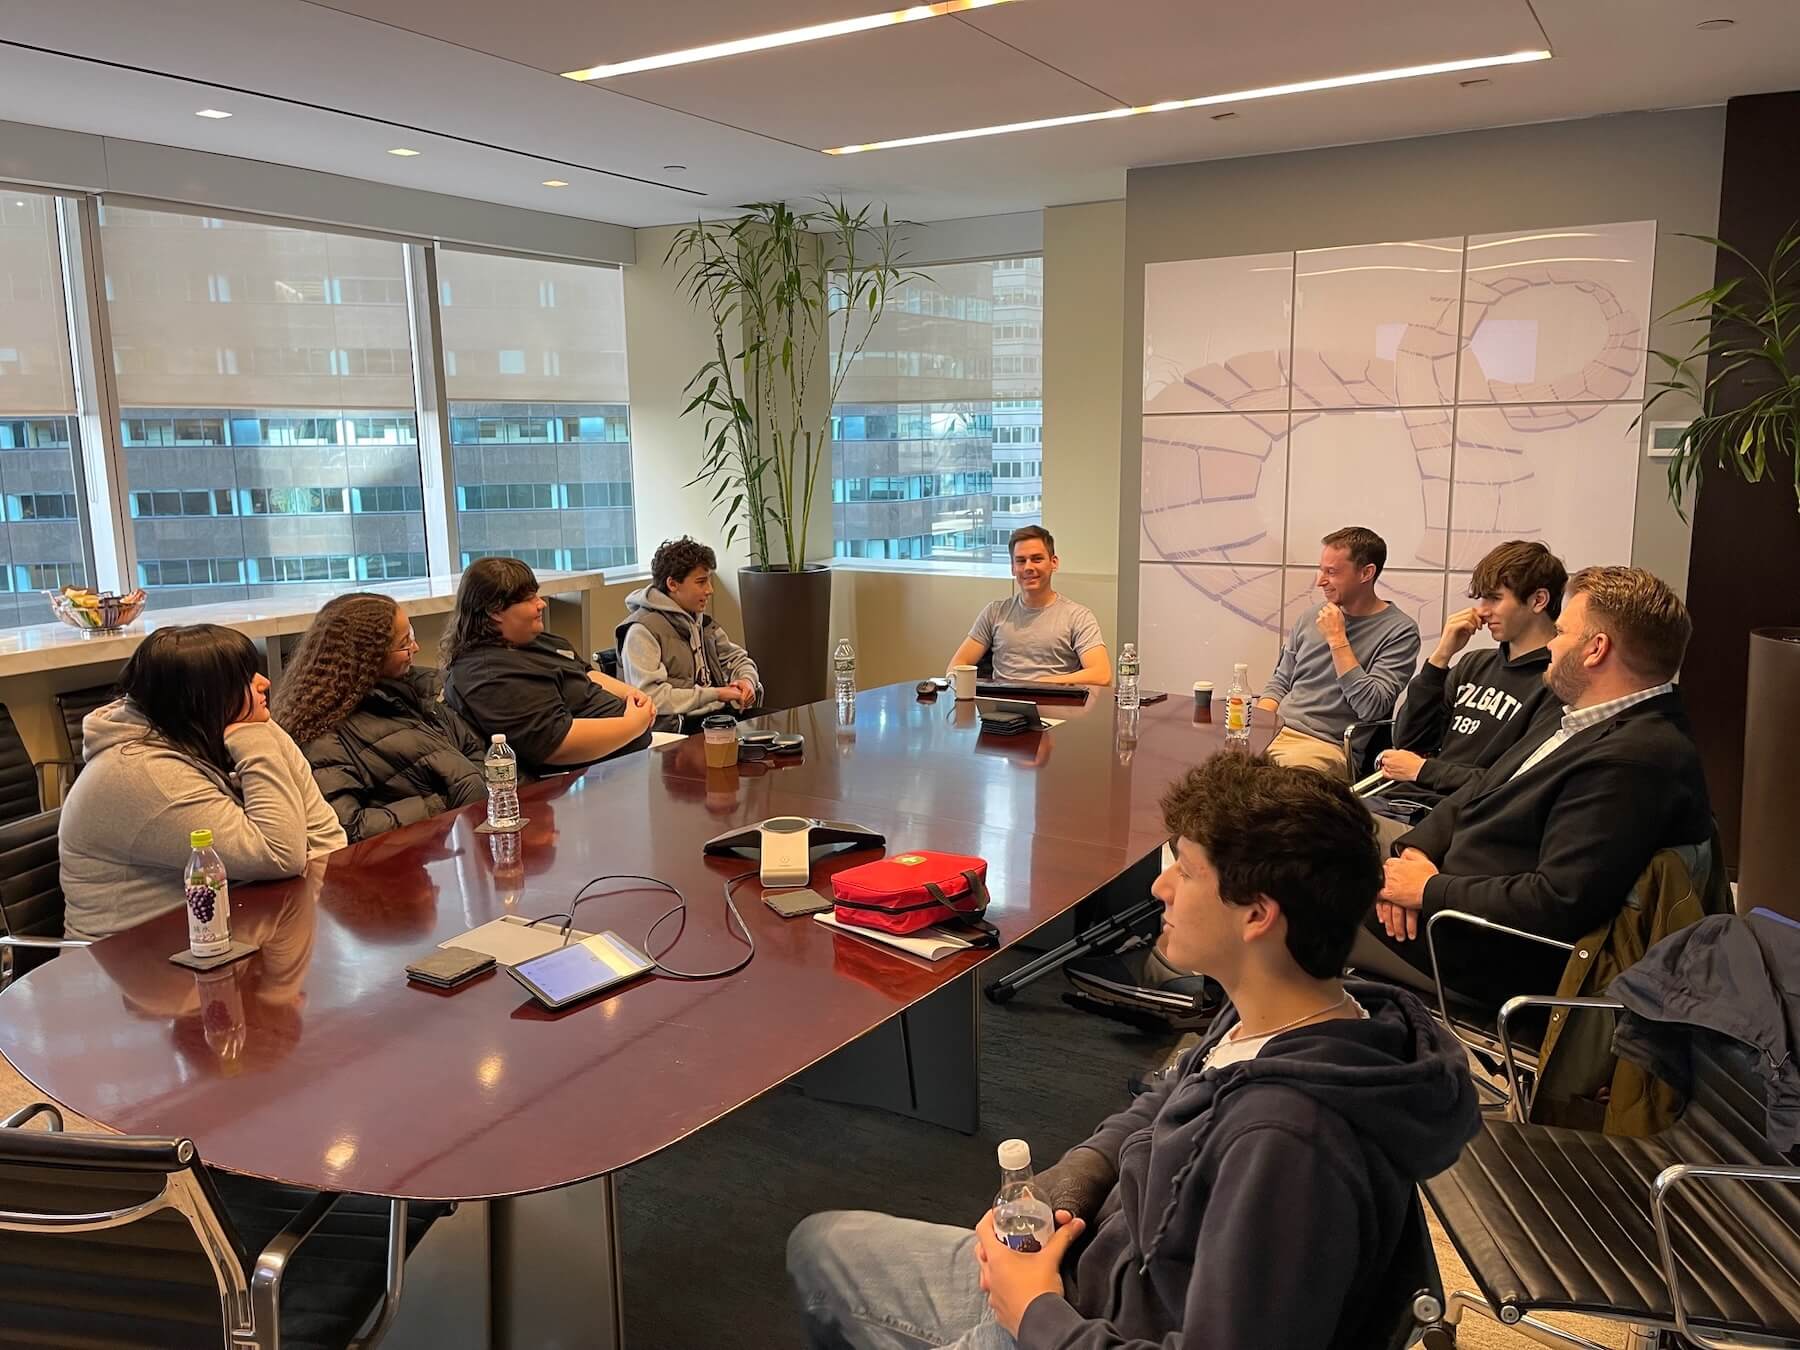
(1232, 1035)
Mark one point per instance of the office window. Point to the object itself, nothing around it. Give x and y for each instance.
(265, 383)
(43, 539)
(945, 397)
(540, 426)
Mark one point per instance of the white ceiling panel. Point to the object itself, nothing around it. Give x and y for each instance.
(321, 88)
(559, 35)
(1151, 50)
(916, 77)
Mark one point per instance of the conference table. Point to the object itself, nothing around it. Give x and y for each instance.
(316, 1063)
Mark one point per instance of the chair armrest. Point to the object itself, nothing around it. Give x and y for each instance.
(272, 1263)
(1474, 920)
(1518, 1106)
(61, 770)
(42, 943)
(1350, 733)
(1660, 1190)
(31, 1112)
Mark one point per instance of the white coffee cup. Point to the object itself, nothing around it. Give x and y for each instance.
(962, 679)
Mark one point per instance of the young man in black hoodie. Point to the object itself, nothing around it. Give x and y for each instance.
(1245, 1202)
(1448, 730)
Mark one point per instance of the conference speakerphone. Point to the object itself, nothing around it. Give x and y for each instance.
(786, 845)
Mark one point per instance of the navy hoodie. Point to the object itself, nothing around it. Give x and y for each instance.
(1253, 1200)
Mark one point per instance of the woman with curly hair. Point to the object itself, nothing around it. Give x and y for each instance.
(506, 675)
(385, 749)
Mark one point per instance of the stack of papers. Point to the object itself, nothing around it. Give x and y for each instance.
(511, 939)
(934, 944)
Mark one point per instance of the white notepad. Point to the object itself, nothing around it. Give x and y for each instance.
(658, 739)
(511, 939)
(934, 944)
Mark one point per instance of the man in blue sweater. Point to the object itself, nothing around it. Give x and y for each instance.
(1251, 1200)
(1346, 663)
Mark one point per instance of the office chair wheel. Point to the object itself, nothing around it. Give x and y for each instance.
(999, 993)
(1442, 1336)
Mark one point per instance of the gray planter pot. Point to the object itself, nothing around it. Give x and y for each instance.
(787, 630)
(1769, 848)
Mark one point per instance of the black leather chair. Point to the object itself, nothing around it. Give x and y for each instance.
(115, 1241)
(31, 898)
(72, 705)
(608, 661)
(27, 788)
(1695, 1231)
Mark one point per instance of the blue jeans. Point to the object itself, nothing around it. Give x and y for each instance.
(873, 1282)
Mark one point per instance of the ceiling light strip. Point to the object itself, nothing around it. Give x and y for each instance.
(1208, 101)
(791, 37)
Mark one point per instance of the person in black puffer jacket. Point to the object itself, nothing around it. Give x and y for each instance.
(385, 748)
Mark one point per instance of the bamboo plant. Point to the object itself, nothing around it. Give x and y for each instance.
(769, 282)
(1750, 340)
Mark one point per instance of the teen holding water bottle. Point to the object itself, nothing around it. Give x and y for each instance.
(1253, 1197)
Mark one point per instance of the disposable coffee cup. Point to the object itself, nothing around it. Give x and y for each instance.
(1203, 692)
(962, 679)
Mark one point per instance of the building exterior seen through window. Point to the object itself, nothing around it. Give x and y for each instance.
(937, 434)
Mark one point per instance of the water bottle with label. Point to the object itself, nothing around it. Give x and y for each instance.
(1023, 1219)
(501, 770)
(208, 896)
(1238, 707)
(1127, 693)
(843, 670)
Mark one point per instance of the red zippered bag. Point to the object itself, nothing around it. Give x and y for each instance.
(914, 890)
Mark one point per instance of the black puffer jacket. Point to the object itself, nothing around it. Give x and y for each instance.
(403, 756)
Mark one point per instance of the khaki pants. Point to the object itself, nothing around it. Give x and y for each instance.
(1300, 751)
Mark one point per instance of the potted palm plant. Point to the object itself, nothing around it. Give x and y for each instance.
(773, 282)
(1743, 373)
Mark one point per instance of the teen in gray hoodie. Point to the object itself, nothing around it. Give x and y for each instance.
(189, 747)
(673, 650)
(1251, 1198)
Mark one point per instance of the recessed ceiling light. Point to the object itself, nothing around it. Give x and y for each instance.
(1474, 84)
(674, 168)
(1223, 117)
(215, 113)
(1206, 101)
(1714, 25)
(788, 38)
(554, 182)
(403, 152)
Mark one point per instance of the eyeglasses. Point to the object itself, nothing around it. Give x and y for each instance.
(410, 645)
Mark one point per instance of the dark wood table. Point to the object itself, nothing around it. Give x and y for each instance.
(316, 1063)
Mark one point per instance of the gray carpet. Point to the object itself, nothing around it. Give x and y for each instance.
(706, 1222)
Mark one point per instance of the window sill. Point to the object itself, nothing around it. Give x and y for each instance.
(922, 567)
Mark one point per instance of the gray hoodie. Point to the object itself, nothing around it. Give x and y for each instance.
(676, 658)
(123, 837)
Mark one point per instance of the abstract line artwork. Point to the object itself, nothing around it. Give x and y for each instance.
(1450, 393)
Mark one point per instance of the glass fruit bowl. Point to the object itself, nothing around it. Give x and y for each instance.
(95, 611)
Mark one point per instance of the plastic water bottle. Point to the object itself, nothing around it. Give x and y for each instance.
(843, 670)
(501, 770)
(1238, 707)
(1023, 1219)
(208, 896)
(1127, 694)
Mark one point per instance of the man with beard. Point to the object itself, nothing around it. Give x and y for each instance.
(1552, 836)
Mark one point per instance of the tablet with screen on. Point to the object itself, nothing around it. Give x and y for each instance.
(580, 970)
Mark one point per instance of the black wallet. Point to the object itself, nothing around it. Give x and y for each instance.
(447, 967)
(1007, 717)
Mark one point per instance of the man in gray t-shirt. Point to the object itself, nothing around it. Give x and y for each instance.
(1037, 635)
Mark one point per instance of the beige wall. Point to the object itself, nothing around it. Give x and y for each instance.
(1642, 166)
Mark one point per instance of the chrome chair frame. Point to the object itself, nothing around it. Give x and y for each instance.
(249, 1302)
(8, 941)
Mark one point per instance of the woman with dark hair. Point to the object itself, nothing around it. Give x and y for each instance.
(189, 747)
(385, 749)
(506, 675)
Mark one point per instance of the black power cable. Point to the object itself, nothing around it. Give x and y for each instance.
(680, 907)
